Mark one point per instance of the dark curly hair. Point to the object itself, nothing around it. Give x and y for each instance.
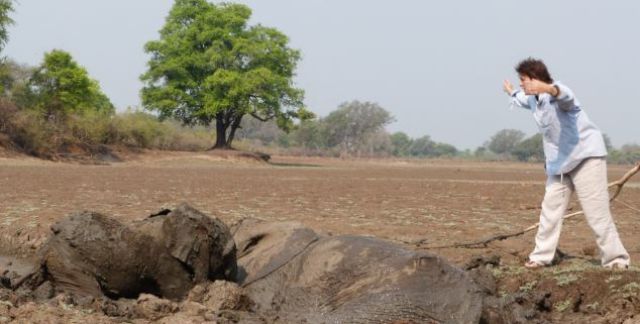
(534, 69)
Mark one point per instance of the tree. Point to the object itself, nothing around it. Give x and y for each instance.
(422, 146)
(531, 149)
(210, 66)
(607, 142)
(504, 141)
(444, 149)
(627, 154)
(631, 153)
(401, 143)
(6, 7)
(13, 79)
(349, 126)
(59, 86)
(310, 134)
(377, 144)
(265, 132)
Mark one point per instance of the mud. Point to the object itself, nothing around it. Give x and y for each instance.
(92, 254)
(15, 271)
(442, 202)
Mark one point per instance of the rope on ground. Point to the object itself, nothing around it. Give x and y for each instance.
(618, 184)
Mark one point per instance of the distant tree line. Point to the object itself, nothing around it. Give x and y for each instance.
(358, 129)
(511, 144)
(354, 129)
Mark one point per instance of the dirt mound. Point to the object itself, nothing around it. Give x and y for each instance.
(217, 302)
(577, 291)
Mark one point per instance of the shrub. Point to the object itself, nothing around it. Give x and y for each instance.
(34, 135)
(89, 127)
(143, 130)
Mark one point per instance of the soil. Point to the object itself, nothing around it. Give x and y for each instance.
(418, 203)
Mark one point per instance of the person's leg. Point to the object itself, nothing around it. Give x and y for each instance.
(590, 181)
(555, 202)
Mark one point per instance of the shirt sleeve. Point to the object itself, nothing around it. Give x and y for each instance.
(518, 98)
(566, 99)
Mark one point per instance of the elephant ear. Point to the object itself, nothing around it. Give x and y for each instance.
(265, 247)
(203, 244)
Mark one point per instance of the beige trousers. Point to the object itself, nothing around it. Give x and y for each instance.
(589, 181)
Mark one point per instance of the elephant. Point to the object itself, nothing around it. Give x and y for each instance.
(288, 269)
(166, 254)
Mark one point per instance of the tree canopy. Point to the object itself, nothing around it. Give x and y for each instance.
(530, 149)
(401, 143)
(61, 86)
(210, 66)
(504, 141)
(353, 122)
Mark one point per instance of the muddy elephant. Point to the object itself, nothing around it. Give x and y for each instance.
(303, 276)
(165, 255)
(290, 273)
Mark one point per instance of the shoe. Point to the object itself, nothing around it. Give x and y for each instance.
(534, 264)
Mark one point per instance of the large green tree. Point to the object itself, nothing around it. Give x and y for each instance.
(59, 86)
(210, 66)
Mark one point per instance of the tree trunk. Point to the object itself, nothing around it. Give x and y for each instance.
(221, 132)
(234, 126)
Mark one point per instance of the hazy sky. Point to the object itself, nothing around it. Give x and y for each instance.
(437, 66)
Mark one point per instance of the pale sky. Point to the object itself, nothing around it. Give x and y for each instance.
(437, 66)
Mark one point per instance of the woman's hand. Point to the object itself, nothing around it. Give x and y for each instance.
(534, 87)
(507, 87)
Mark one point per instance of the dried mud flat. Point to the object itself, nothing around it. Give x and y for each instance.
(432, 202)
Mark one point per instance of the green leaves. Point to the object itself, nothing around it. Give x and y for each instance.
(504, 141)
(60, 86)
(6, 7)
(210, 65)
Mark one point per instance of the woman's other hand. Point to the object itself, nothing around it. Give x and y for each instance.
(507, 87)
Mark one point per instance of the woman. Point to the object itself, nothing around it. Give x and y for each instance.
(575, 154)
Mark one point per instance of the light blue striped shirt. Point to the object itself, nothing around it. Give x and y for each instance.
(568, 135)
